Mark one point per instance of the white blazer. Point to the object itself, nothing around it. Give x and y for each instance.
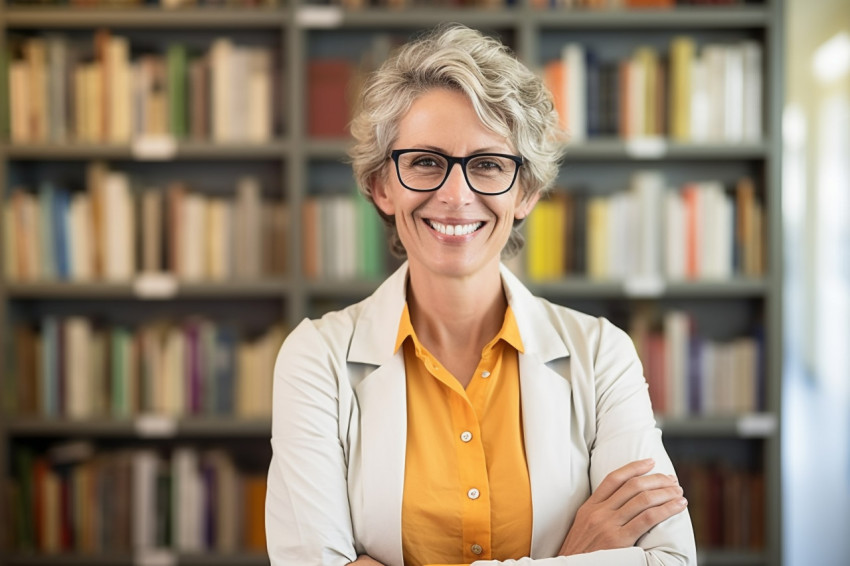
(339, 429)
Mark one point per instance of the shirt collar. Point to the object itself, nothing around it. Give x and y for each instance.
(509, 331)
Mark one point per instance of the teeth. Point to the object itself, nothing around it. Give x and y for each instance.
(455, 230)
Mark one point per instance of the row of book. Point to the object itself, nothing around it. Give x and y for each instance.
(108, 91)
(114, 231)
(710, 93)
(75, 498)
(702, 231)
(689, 374)
(726, 504)
(343, 238)
(72, 367)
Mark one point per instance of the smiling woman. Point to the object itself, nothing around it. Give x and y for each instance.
(452, 417)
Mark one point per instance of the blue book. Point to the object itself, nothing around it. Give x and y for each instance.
(61, 233)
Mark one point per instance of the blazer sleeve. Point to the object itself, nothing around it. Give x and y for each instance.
(625, 432)
(308, 522)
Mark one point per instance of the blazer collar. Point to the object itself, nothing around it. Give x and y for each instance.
(374, 334)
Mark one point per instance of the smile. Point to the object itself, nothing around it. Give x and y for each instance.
(454, 229)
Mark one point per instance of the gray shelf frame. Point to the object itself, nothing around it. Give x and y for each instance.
(294, 151)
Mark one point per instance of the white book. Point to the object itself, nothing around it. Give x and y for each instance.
(574, 57)
(78, 370)
(238, 97)
(648, 188)
(700, 105)
(347, 237)
(733, 84)
(81, 238)
(57, 65)
(636, 98)
(193, 238)
(752, 107)
(674, 236)
(726, 237)
(221, 73)
(260, 95)
(120, 90)
(119, 232)
(145, 464)
(715, 61)
(676, 336)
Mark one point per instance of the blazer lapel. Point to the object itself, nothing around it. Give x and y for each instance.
(382, 398)
(546, 415)
(546, 429)
(383, 421)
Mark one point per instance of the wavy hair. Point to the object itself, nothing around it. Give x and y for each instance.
(508, 98)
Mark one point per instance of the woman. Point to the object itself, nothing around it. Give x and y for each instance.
(452, 417)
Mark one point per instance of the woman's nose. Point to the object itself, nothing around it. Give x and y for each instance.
(456, 191)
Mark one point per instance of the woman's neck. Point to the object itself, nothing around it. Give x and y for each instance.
(456, 312)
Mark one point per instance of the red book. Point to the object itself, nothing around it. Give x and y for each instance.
(328, 103)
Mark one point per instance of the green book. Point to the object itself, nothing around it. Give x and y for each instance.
(372, 244)
(177, 104)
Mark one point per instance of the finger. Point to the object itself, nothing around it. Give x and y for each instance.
(647, 500)
(634, 486)
(615, 480)
(647, 519)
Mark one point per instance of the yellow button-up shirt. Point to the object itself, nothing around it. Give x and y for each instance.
(467, 494)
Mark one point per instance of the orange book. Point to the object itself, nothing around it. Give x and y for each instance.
(555, 78)
(254, 513)
(690, 197)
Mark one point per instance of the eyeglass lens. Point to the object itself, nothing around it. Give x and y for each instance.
(424, 171)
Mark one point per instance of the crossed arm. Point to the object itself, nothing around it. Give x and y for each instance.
(625, 506)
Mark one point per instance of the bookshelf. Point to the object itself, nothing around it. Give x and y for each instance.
(294, 166)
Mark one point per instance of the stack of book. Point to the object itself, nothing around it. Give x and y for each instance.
(710, 94)
(62, 90)
(74, 498)
(113, 231)
(343, 238)
(702, 231)
(74, 368)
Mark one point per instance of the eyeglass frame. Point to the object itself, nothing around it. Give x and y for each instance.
(451, 161)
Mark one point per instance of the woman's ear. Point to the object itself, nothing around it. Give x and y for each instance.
(526, 205)
(381, 196)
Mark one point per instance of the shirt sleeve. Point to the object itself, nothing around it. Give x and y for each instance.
(308, 522)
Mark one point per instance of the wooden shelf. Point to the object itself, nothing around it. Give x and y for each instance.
(264, 288)
(153, 18)
(181, 150)
(150, 426)
(604, 149)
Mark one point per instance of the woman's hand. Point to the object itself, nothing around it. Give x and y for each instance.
(365, 560)
(624, 507)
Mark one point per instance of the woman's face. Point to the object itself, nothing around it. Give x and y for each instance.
(445, 121)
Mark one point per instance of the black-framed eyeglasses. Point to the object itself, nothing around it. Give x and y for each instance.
(425, 170)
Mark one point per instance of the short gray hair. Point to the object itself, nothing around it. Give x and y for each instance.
(509, 99)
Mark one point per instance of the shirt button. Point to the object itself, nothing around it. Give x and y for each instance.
(485, 374)
(476, 549)
(473, 493)
(466, 436)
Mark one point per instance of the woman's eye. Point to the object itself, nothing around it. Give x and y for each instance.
(488, 165)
